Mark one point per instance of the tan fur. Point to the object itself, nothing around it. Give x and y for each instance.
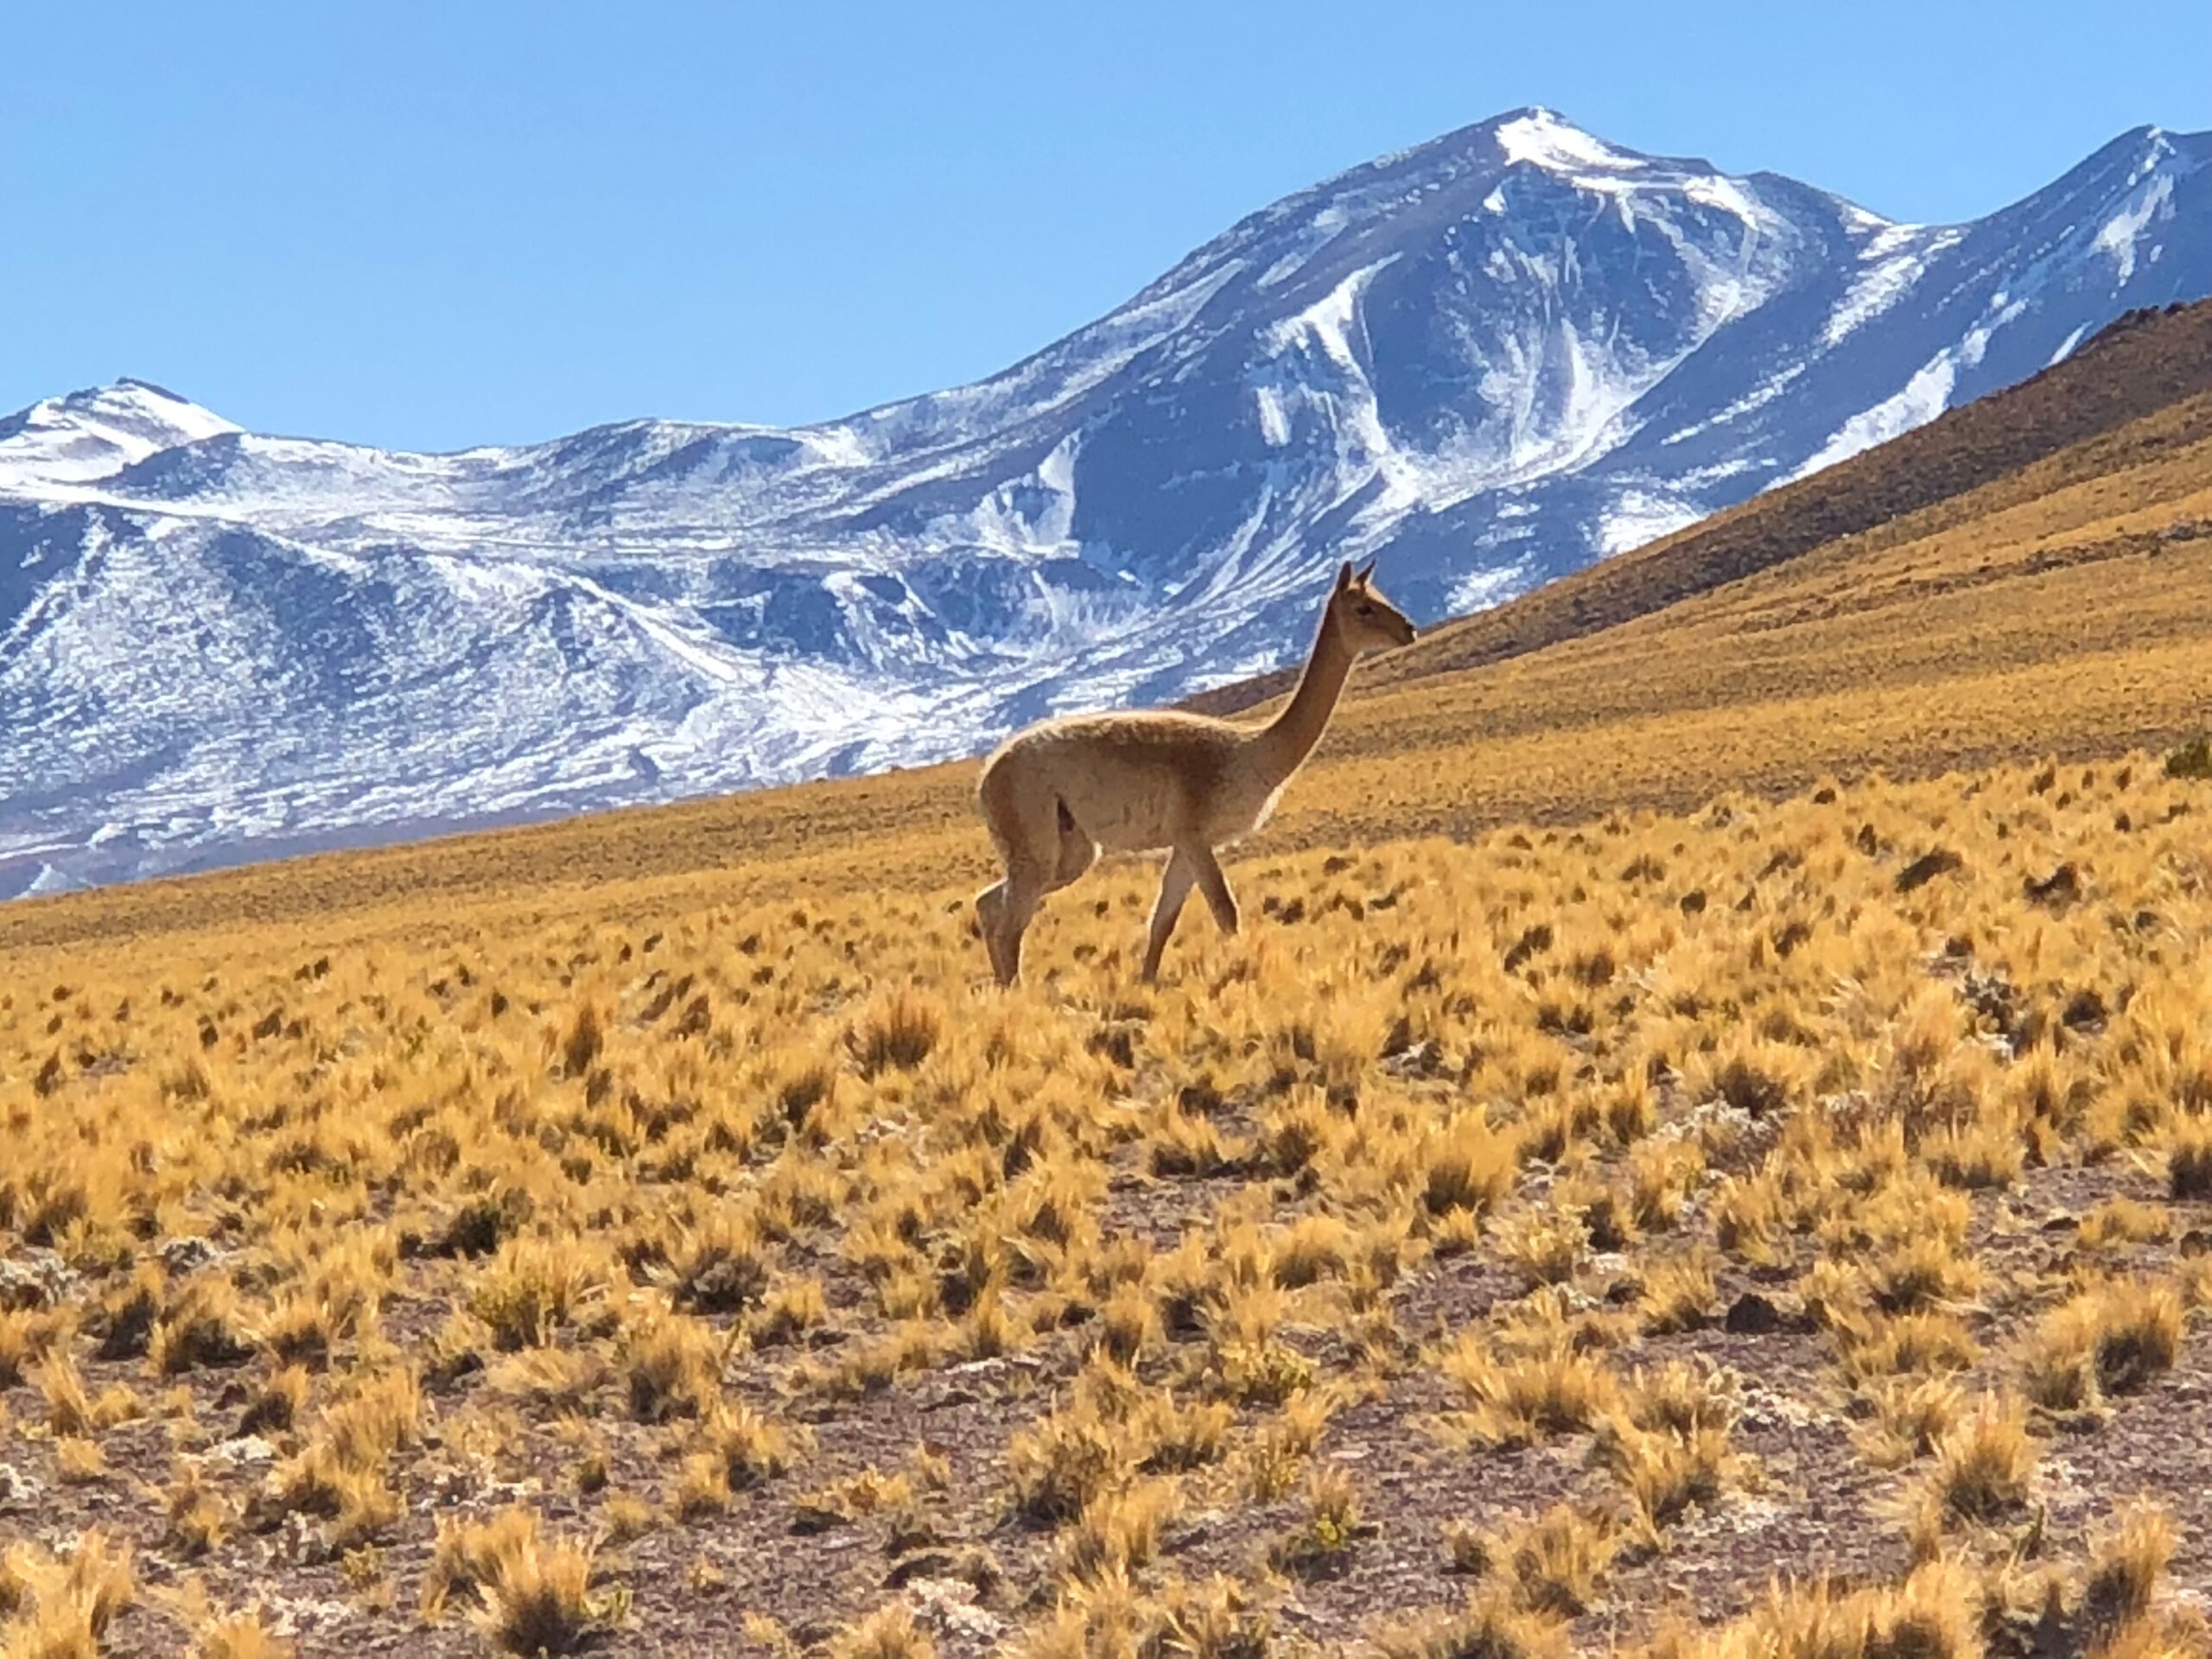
(1057, 793)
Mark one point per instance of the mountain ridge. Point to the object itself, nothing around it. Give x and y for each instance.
(2057, 609)
(1489, 359)
(2118, 375)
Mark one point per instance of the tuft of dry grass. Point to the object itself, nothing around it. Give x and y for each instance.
(2127, 1561)
(1056, 1468)
(536, 1594)
(1516, 1399)
(242, 1635)
(897, 1032)
(1323, 1540)
(1490, 1626)
(2108, 1338)
(1911, 1417)
(60, 1606)
(672, 1367)
(1556, 1562)
(1931, 1615)
(533, 1288)
(888, 1633)
(1467, 1166)
(2188, 1159)
(1986, 1465)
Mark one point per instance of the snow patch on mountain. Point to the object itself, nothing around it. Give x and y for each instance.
(2123, 233)
(1539, 137)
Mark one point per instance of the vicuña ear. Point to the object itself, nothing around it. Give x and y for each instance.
(1365, 573)
(1344, 575)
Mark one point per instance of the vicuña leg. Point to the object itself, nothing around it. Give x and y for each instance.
(1025, 886)
(1027, 828)
(990, 908)
(1004, 911)
(1174, 888)
(1214, 885)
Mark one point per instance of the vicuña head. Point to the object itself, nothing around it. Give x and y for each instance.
(1141, 781)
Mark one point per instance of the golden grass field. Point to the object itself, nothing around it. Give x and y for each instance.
(1547, 1238)
(1702, 1148)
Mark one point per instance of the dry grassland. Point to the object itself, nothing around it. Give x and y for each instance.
(1775, 1230)
(1641, 1181)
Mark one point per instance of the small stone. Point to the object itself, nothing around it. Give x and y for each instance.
(947, 1608)
(302, 1542)
(246, 1450)
(37, 1278)
(1753, 1315)
(1192, 1530)
(289, 1617)
(926, 1563)
(1941, 861)
(2063, 886)
(187, 1254)
(17, 1490)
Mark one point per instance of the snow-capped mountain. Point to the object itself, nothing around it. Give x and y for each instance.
(1488, 360)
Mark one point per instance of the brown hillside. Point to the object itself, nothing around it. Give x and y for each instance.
(2144, 362)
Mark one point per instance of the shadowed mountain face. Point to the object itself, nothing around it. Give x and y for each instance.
(1489, 362)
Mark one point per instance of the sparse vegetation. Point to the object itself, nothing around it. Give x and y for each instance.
(2190, 760)
(1661, 1179)
(1180, 1300)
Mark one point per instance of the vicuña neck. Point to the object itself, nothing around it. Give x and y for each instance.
(1287, 740)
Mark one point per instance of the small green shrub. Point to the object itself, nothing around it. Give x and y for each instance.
(2192, 759)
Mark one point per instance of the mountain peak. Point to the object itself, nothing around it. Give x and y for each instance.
(96, 431)
(2144, 149)
(1537, 136)
(143, 399)
(132, 384)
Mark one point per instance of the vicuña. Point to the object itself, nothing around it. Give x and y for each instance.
(1055, 794)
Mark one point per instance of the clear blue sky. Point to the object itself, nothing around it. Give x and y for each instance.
(433, 225)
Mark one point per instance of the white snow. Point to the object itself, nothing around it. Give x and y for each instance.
(1713, 190)
(1275, 423)
(1542, 139)
(89, 436)
(1641, 516)
(1758, 397)
(1920, 400)
(2123, 233)
(1893, 260)
(1481, 590)
(1324, 228)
